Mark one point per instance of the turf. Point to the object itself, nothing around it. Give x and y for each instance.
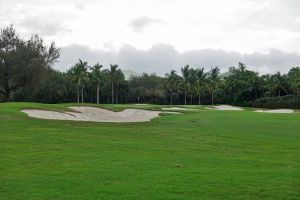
(202, 154)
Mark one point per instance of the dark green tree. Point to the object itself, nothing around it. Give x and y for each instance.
(200, 80)
(23, 63)
(119, 80)
(294, 80)
(185, 72)
(97, 78)
(241, 86)
(172, 85)
(78, 75)
(213, 82)
(113, 73)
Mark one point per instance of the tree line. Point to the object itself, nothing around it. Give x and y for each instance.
(26, 74)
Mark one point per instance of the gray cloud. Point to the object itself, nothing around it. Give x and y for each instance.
(161, 58)
(139, 24)
(72, 53)
(43, 27)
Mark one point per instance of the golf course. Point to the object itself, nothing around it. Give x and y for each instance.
(149, 100)
(198, 154)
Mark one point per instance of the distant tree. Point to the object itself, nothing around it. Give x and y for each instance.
(192, 78)
(200, 80)
(79, 75)
(106, 87)
(26, 74)
(97, 77)
(241, 86)
(113, 73)
(123, 89)
(22, 63)
(185, 81)
(294, 79)
(119, 80)
(278, 84)
(213, 82)
(53, 88)
(172, 85)
(147, 88)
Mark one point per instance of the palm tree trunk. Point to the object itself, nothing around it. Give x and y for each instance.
(185, 97)
(98, 88)
(112, 92)
(77, 93)
(82, 95)
(7, 92)
(171, 98)
(116, 94)
(199, 98)
(191, 99)
(212, 98)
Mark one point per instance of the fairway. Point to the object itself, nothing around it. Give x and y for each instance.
(200, 154)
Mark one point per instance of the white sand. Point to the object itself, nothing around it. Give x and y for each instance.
(276, 111)
(177, 108)
(94, 114)
(224, 107)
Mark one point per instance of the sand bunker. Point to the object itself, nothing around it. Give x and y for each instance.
(276, 111)
(177, 108)
(224, 107)
(94, 114)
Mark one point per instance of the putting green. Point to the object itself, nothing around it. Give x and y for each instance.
(201, 154)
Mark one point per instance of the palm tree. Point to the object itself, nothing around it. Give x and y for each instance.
(112, 77)
(294, 79)
(172, 83)
(279, 84)
(119, 79)
(79, 75)
(106, 89)
(192, 81)
(213, 81)
(185, 80)
(200, 78)
(97, 78)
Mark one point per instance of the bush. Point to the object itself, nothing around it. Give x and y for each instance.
(289, 101)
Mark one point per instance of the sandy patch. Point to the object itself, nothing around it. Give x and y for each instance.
(177, 108)
(141, 104)
(224, 107)
(93, 114)
(276, 111)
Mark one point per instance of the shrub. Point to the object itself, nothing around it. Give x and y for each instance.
(289, 101)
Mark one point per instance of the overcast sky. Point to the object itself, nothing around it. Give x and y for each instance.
(159, 35)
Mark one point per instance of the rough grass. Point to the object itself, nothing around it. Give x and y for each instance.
(202, 154)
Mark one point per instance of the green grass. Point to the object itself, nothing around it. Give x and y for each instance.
(201, 154)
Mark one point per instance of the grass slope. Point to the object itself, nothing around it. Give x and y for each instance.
(202, 154)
